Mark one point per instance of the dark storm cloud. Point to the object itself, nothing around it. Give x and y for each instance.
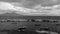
(32, 3)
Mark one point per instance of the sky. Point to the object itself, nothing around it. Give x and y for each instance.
(33, 3)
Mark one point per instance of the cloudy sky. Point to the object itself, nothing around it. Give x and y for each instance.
(32, 3)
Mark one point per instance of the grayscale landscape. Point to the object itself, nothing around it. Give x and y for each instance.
(29, 16)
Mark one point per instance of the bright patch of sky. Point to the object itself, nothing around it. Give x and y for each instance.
(5, 6)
